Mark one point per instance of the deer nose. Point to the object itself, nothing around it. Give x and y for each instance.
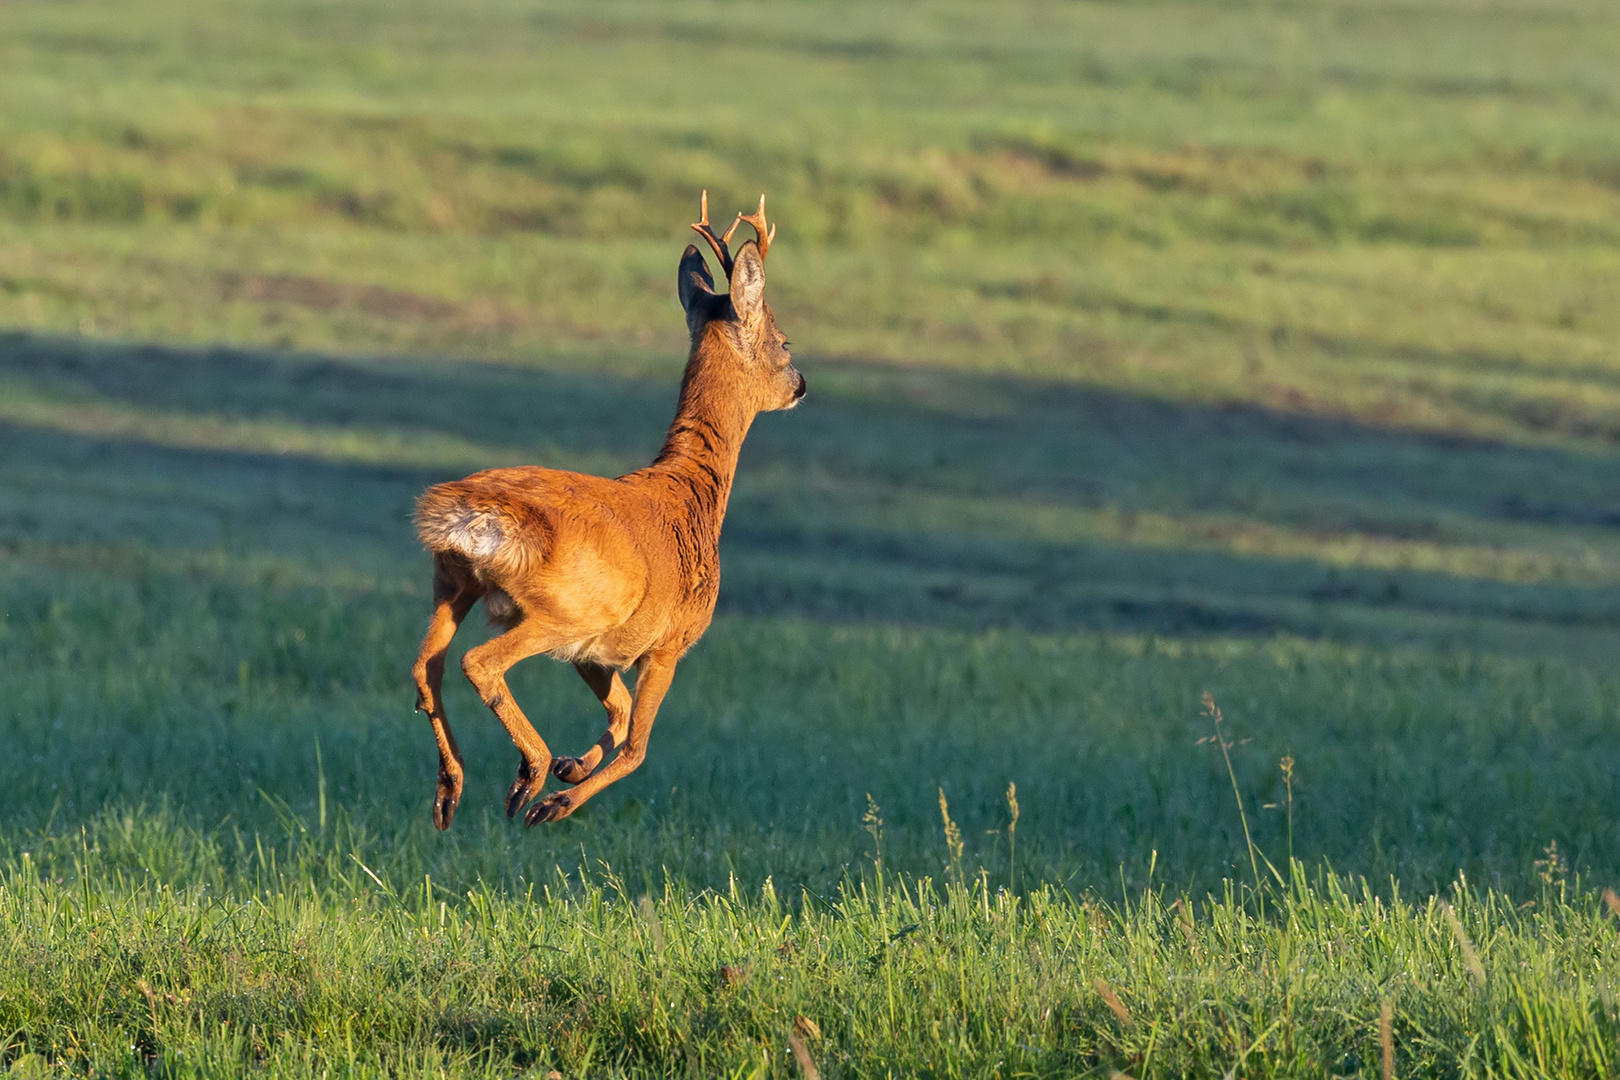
(799, 393)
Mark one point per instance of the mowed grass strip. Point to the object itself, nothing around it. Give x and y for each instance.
(1571, 561)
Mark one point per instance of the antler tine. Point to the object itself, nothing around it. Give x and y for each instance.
(757, 220)
(701, 227)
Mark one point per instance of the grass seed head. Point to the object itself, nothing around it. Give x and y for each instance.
(872, 820)
(953, 834)
(1476, 970)
(655, 926)
(1111, 999)
(1552, 866)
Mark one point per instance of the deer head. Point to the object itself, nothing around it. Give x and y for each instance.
(737, 327)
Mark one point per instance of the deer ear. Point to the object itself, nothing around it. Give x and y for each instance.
(693, 285)
(748, 283)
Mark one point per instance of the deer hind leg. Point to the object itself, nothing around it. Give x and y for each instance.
(610, 691)
(453, 596)
(486, 666)
(653, 676)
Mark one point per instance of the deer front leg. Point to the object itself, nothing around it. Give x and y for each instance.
(653, 676)
(610, 691)
(486, 667)
(451, 604)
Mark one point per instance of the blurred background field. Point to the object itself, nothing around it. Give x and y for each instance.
(1263, 348)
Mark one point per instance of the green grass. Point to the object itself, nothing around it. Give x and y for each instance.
(932, 980)
(1262, 349)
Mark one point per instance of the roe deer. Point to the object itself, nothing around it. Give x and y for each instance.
(606, 574)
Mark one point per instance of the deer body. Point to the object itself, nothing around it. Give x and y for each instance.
(607, 574)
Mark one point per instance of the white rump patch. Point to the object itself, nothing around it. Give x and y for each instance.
(477, 534)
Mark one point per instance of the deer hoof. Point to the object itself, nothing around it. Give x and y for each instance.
(570, 770)
(527, 785)
(445, 801)
(553, 807)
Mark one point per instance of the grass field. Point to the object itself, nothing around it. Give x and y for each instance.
(1263, 349)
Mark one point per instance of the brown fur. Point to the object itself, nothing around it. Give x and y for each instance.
(606, 574)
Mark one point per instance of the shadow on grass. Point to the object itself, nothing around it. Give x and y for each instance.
(1012, 477)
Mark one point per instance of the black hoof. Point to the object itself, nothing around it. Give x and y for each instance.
(527, 785)
(551, 808)
(445, 801)
(570, 770)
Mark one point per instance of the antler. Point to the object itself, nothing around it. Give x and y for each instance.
(757, 220)
(719, 243)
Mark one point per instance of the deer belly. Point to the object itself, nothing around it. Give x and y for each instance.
(615, 650)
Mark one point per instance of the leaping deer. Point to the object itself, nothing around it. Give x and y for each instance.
(605, 574)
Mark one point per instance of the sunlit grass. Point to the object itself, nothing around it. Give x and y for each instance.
(1402, 216)
(1565, 558)
(590, 976)
(21, 405)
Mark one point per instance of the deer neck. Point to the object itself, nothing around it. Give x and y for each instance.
(700, 452)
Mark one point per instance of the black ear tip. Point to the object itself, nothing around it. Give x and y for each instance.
(691, 250)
